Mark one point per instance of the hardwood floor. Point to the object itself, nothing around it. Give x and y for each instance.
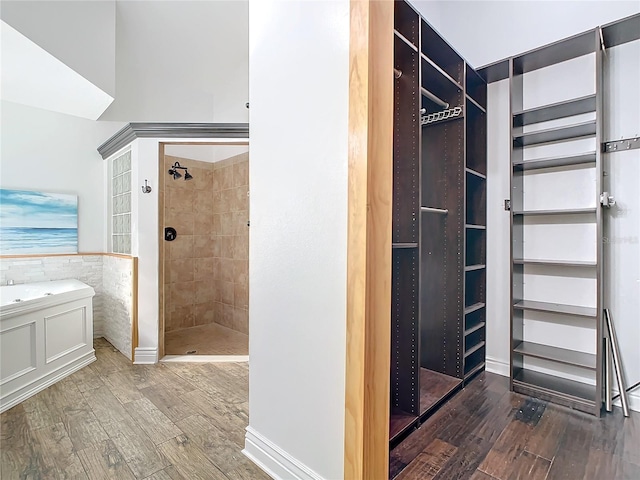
(488, 433)
(211, 339)
(121, 421)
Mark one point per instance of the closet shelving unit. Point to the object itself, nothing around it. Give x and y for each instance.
(439, 222)
(539, 366)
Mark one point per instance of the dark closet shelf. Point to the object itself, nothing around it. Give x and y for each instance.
(553, 263)
(555, 111)
(560, 355)
(400, 422)
(404, 245)
(570, 393)
(470, 268)
(473, 308)
(555, 308)
(571, 211)
(476, 104)
(560, 51)
(477, 174)
(435, 389)
(584, 158)
(557, 134)
(475, 328)
(475, 348)
(441, 71)
(475, 227)
(405, 40)
(473, 371)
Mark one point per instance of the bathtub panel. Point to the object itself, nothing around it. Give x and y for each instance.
(45, 336)
(17, 351)
(64, 333)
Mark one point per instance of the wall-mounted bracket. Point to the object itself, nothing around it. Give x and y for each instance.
(507, 204)
(621, 145)
(606, 200)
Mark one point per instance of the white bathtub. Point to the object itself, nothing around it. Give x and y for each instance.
(46, 333)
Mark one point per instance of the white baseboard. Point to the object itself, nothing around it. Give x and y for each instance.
(275, 462)
(19, 396)
(145, 356)
(497, 366)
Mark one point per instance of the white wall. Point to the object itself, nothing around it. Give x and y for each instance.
(53, 152)
(205, 153)
(61, 26)
(299, 67)
(486, 31)
(181, 61)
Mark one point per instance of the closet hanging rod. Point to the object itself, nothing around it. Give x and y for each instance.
(433, 98)
(441, 211)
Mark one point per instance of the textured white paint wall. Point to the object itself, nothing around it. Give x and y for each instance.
(299, 67)
(181, 61)
(53, 152)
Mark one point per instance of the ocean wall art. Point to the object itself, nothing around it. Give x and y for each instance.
(37, 222)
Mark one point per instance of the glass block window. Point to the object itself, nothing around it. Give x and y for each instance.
(121, 204)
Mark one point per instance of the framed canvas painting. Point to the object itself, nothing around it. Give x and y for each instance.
(37, 222)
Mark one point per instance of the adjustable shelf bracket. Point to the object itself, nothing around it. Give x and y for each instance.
(621, 145)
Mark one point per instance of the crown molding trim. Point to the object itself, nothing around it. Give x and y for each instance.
(171, 130)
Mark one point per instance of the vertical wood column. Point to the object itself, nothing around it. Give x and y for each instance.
(369, 240)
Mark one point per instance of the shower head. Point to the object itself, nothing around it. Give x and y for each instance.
(176, 174)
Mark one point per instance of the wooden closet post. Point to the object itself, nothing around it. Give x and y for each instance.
(370, 177)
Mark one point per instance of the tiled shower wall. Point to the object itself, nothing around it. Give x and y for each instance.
(206, 266)
(111, 278)
(231, 242)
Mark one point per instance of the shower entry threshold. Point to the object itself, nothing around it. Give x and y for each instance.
(204, 358)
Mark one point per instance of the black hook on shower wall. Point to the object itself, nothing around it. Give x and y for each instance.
(176, 174)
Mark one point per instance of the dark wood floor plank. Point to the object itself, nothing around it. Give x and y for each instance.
(104, 461)
(137, 449)
(572, 457)
(152, 421)
(501, 459)
(546, 436)
(213, 442)
(58, 455)
(427, 465)
(466, 459)
(479, 475)
(189, 460)
(529, 467)
(631, 429)
(608, 433)
(168, 402)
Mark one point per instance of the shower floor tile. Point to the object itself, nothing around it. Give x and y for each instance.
(212, 339)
